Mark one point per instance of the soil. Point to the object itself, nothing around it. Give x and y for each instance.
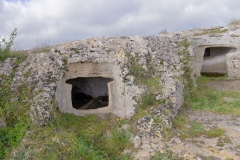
(219, 148)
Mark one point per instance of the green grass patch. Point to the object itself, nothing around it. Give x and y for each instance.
(194, 130)
(72, 137)
(168, 155)
(234, 22)
(15, 109)
(215, 132)
(186, 127)
(41, 49)
(222, 141)
(147, 99)
(237, 146)
(216, 30)
(209, 99)
(20, 55)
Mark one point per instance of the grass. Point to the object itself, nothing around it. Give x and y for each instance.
(147, 99)
(15, 108)
(20, 55)
(187, 128)
(209, 99)
(222, 141)
(168, 155)
(215, 132)
(68, 137)
(72, 137)
(237, 146)
(234, 22)
(41, 49)
(144, 78)
(216, 30)
(190, 129)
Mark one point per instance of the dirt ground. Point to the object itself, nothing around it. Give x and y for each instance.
(219, 148)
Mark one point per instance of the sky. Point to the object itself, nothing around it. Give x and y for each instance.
(49, 22)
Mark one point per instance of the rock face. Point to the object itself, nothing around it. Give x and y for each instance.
(128, 61)
(133, 65)
(114, 58)
(118, 75)
(41, 71)
(233, 64)
(213, 48)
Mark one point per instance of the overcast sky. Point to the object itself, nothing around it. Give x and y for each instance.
(41, 22)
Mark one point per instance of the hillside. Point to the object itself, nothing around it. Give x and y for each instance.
(119, 97)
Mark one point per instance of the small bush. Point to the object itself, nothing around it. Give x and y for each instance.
(119, 140)
(12, 136)
(237, 147)
(196, 130)
(147, 99)
(215, 132)
(6, 43)
(234, 22)
(169, 155)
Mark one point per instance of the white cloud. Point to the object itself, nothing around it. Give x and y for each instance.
(59, 21)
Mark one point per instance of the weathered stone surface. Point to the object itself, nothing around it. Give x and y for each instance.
(233, 65)
(167, 58)
(42, 72)
(6, 66)
(113, 53)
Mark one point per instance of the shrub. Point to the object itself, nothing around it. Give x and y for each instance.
(234, 22)
(215, 132)
(7, 43)
(168, 155)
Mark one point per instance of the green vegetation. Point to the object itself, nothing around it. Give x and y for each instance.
(237, 147)
(234, 22)
(215, 132)
(216, 30)
(72, 137)
(187, 128)
(14, 108)
(6, 43)
(145, 78)
(187, 78)
(5, 48)
(42, 47)
(209, 99)
(222, 141)
(169, 155)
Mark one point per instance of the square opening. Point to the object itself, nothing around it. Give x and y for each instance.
(214, 60)
(89, 92)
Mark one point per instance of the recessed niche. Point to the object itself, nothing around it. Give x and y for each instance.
(94, 88)
(89, 92)
(214, 60)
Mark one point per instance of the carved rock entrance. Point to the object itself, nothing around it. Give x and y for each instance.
(89, 92)
(214, 60)
(93, 88)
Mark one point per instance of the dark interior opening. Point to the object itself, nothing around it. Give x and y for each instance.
(89, 92)
(207, 52)
(214, 61)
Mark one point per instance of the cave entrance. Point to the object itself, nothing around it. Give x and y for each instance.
(214, 61)
(89, 92)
